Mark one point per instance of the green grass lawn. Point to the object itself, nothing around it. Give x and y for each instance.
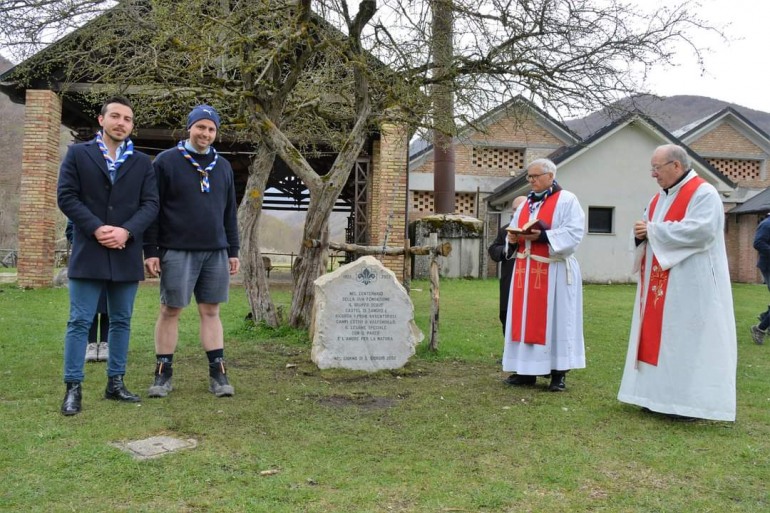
(442, 434)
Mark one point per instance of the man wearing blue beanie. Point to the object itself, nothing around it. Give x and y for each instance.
(203, 112)
(193, 246)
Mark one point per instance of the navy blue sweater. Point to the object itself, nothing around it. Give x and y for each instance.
(189, 219)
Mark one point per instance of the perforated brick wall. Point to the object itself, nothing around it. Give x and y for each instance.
(422, 203)
(738, 169)
(489, 158)
(511, 138)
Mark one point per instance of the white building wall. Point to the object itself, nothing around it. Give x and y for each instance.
(614, 173)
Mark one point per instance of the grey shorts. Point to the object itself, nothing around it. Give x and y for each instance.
(207, 273)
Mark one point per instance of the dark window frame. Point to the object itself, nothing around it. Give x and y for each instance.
(601, 220)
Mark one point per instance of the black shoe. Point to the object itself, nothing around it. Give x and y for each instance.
(557, 382)
(218, 383)
(518, 380)
(679, 418)
(117, 391)
(73, 398)
(162, 384)
(670, 416)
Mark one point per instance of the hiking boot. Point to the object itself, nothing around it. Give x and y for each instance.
(92, 352)
(218, 384)
(162, 384)
(758, 335)
(72, 399)
(117, 391)
(102, 352)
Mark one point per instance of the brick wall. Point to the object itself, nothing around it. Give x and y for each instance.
(726, 140)
(742, 257)
(511, 135)
(37, 204)
(734, 155)
(387, 207)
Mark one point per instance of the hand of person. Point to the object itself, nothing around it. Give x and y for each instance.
(235, 265)
(640, 230)
(533, 235)
(113, 237)
(152, 265)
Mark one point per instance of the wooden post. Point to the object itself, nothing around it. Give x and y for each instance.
(434, 294)
(407, 267)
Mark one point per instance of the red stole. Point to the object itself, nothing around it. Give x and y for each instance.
(652, 317)
(529, 285)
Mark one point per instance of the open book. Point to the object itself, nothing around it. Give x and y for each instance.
(532, 224)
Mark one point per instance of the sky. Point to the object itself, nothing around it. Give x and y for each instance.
(737, 71)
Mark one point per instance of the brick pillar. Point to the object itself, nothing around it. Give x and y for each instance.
(37, 202)
(387, 202)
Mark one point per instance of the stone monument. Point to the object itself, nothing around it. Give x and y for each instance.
(363, 319)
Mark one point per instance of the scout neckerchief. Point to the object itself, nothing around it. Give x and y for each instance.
(655, 297)
(205, 186)
(113, 165)
(529, 284)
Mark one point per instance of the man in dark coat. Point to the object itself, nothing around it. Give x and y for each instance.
(109, 192)
(762, 245)
(497, 253)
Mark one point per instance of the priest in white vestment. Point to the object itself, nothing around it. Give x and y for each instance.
(544, 332)
(682, 352)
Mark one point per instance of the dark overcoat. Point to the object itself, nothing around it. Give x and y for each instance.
(87, 197)
(497, 253)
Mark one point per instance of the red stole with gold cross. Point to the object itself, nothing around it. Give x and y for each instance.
(529, 286)
(652, 316)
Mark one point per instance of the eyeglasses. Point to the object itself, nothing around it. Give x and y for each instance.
(656, 168)
(532, 178)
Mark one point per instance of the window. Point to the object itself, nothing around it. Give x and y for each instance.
(600, 219)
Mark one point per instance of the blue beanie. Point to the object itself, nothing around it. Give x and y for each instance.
(203, 112)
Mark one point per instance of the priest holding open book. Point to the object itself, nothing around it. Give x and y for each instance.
(544, 335)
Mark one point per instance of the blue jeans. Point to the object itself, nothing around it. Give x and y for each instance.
(84, 298)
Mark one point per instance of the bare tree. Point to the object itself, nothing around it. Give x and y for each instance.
(29, 25)
(296, 76)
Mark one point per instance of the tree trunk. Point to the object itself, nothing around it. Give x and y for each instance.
(323, 194)
(310, 263)
(249, 213)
